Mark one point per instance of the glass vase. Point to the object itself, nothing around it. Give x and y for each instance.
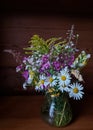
(56, 110)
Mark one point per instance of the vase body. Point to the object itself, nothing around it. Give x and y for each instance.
(56, 110)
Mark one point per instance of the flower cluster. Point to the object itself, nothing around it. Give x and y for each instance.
(53, 66)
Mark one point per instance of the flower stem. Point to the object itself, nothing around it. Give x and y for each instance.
(62, 113)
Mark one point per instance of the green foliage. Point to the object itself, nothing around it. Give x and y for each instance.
(63, 113)
(81, 60)
(37, 44)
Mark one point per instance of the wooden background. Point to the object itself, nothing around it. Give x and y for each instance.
(19, 20)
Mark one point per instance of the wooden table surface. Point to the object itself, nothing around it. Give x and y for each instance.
(23, 113)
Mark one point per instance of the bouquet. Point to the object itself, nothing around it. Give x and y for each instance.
(53, 66)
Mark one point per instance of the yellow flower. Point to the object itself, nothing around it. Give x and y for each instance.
(55, 95)
(31, 74)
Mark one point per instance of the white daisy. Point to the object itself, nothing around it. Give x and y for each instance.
(64, 78)
(42, 84)
(76, 91)
(64, 88)
(52, 80)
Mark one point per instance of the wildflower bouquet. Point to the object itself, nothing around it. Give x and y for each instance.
(53, 66)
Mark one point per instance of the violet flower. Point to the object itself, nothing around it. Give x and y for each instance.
(45, 58)
(71, 60)
(46, 65)
(57, 65)
(19, 68)
(25, 74)
(25, 60)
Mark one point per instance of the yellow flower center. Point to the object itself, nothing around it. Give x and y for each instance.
(42, 81)
(31, 73)
(50, 79)
(63, 77)
(75, 90)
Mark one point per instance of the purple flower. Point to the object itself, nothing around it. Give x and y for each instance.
(46, 65)
(25, 74)
(66, 59)
(57, 65)
(25, 59)
(19, 68)
(45, 58)
(48, 74)
(71, 59)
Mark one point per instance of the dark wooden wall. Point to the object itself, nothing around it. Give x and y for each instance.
(19, 20)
